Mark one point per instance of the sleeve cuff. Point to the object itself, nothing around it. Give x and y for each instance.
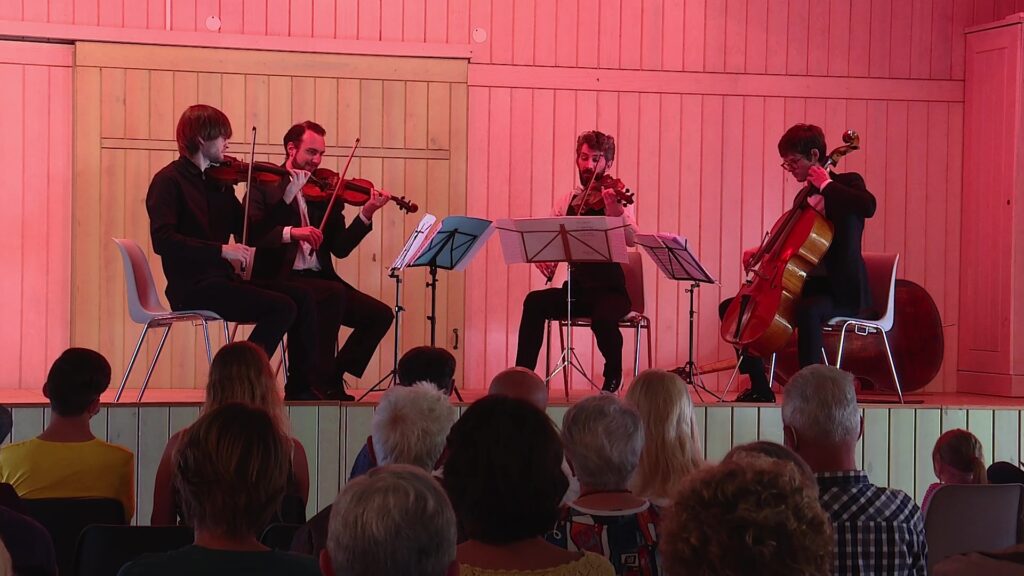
(286, 235)
(364, 218)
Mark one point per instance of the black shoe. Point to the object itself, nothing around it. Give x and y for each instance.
(756, 396)
(306, 395)
(611, 385)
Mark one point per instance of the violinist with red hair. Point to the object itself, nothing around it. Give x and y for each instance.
(599, 289)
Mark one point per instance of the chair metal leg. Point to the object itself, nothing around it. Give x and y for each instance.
(152, 364)
(895, 378)
(650, 348)
(561, 346)
(547, 351)
(227, 333)
(735, 373)
(771, 372)
(824, 357)
(131, 363)
(842, 344)
(636, 353)
(284, 359)
(206, 336)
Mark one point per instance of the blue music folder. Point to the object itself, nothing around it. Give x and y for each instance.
(455, 243)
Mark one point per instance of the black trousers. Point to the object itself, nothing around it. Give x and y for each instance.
(275, 308)
(339, 304)
(604, 308)
(816, 306)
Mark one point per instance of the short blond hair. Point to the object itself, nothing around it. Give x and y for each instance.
(750, 516)
(672, 446)
(231, 470)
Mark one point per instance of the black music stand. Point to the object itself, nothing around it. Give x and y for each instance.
(569, 239)
(451, 248)
(675, 260)
(411, 249)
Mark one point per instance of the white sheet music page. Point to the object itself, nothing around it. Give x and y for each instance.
(417, 240)
(588, 239)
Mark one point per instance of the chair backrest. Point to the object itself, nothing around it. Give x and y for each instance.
(102, 550)
(881, 270)
(634, 272)
(65, 518)
(279, 536)
(139, 284)
(972, 518)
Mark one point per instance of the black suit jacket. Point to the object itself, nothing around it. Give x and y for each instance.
(190, 217)
(269, 214)
(847, 204)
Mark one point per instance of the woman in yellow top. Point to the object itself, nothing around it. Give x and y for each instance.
(504, 478)
(67, 460)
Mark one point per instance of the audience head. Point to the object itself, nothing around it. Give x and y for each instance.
(958, 458)
(241, 372)
(394, 520)
(772, 450)
(755, 515)
(1005, 473)
(411, 424)
(75, 382)
(521, 383)
(672, 446)
(820, 418)
(427, 364)
(504, 471)
(603, 438)
(231, 470)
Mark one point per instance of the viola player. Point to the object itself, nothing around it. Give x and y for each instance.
(838, 286)
(191, 219)
(599, 289)
(293, 250)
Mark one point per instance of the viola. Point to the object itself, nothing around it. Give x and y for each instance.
(323, 182)
(593, 200)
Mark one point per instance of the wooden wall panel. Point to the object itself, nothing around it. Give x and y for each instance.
(35, 88)
(895, 449)
(126, 112)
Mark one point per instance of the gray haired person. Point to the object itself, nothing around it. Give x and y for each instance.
(394, 520)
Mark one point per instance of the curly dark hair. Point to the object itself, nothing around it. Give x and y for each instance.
(504, 471)
(597, 141)
(756, 515)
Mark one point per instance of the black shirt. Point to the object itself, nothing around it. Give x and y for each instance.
(190, 218)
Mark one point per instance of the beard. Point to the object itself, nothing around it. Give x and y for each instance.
(586, 176)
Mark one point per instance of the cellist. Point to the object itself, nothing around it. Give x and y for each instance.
(838, 286)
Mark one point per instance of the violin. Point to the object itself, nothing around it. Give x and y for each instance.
(233, 171)
(323, 182)
(593, 200)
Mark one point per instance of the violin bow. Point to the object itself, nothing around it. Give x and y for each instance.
(337, 186)
(248, 200)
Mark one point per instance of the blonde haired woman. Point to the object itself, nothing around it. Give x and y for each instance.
(240, 373)
(672, 446)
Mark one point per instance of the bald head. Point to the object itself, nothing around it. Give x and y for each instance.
(520, 383)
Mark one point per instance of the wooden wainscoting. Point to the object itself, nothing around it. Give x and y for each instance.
(896, 449)
(410, 114)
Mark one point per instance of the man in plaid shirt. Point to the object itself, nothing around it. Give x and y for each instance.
(876, 530)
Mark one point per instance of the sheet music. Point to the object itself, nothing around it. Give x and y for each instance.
(590, 239)
(674, 257)
(417, 240)
(480, 228)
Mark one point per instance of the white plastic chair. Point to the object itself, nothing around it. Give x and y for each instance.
(881, 270)
(145, 308)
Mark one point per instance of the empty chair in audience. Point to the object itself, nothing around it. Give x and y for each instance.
(242, 373)
(749, 515)
(394, 520)
(672, 447)
(957, 458)
(504, 477)
(603, 438)
(67, 460)
(230, 470)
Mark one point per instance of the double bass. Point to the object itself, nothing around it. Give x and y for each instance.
(761, 317)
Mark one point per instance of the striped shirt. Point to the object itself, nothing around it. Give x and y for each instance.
(877, 530)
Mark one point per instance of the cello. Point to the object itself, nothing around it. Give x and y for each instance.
(761, 317)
